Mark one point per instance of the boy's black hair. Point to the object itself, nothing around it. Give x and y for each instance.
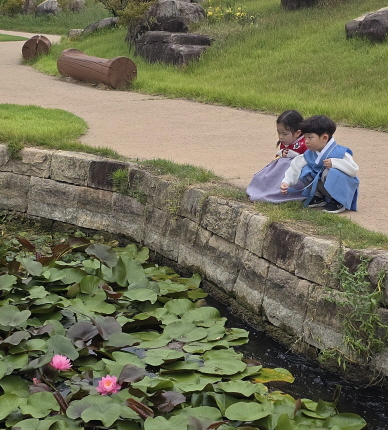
(318, 124)
(291, 119)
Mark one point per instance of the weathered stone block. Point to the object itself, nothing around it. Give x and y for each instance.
(324, 320)
(94, 208)
(129, 217)
(281, 246)
(4, 156)
(32, 162)
(378, 266)
(221, 217)
(250, 284)
(194, 241)
(53, 200)
(163, 233)
(285, 300)
(14, 191)
(71, 167)
(315, 260)
(191, 203)
(250, 232)
(101, 171)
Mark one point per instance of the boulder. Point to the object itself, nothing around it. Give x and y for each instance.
(372, 25)
(74, 33)
(48, 7)
(171, 48)
(167, 15)
(102, 23)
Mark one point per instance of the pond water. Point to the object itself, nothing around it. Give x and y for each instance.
(311, 381)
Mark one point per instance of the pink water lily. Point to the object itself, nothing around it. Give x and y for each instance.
(60, 362)
(108, 385)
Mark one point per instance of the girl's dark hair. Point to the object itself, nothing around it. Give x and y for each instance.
(291, 119)
(318, 124)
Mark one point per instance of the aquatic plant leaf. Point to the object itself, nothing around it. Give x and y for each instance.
(120, 340)
(141, 295)
(37, 362)
(131, 373)
(76, 407)
(7, 282)
(12, 317)
(39, 405)
(72, 275)
(62, 345)
(3, 369)
(248, 373)
(180, 366)
(131, 251)
(28, 424)
(201, 347)
(178, 422)
(34, 268)
(156, 357)
(204, 317)
(242, 411)
(127, 358)
(127, 271)
(106, 413)
(278, 374)
(16, 338)
(222, 367)
(242, 388)
(167, 400)
(140, 408)
(203, 412)
(8, 403)
(81, 332)
(345, 421)
(106, 326)
(223, 401)
(103, 253)
(13, 384)
(184, 331)
(179, 306)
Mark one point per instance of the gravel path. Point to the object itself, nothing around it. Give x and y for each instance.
(234, 143)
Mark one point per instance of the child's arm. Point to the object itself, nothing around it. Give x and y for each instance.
(346, 164)
(292, 174)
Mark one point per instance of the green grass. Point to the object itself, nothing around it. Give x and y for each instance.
(59, 24)
(50, 128)
(318, 223)
(8, 38)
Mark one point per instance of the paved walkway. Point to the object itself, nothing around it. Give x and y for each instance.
(234, 143)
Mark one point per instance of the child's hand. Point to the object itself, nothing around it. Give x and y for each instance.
(285, 152)
(284, 187)
(327, 163)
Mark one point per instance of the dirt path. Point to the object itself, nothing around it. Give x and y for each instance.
(233, 143)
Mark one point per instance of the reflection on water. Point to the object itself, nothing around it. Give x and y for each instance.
(310, 381)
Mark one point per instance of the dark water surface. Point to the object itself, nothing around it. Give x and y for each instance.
(310, 381)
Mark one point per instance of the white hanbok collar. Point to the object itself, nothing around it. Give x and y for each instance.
(324, 150)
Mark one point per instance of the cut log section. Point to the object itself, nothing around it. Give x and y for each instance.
(117, 72)
(37, 45)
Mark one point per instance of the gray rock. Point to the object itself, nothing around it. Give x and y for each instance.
(75, 33)
(48, 7)
(99, 25)
(372, 25)
(154, 47)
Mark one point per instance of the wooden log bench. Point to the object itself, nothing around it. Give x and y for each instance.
(117, 72)
(36, 45)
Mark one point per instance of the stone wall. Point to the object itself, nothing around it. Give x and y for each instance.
(271, 275)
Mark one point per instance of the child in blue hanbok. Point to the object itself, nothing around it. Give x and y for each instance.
(265, 184)
(326, 168)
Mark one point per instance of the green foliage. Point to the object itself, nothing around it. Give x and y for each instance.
(228, 11)
(364, 332)
(120, 181)
(11, 7)
(112, 313)
(134, 11)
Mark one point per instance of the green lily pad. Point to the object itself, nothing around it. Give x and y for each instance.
(242, 411)
(39, 405)
(184, 332)
(222, 367)
(242, 388)
(278, 374)
(11, 316)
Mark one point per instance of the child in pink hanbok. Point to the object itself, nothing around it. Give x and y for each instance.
(265, 184)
